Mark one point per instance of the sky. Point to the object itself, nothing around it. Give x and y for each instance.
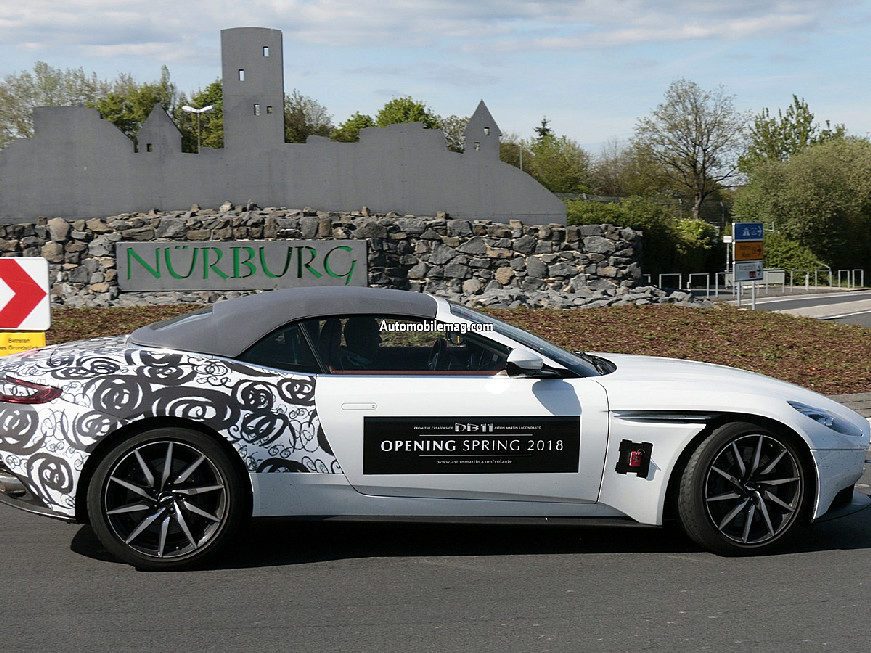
(593, 68)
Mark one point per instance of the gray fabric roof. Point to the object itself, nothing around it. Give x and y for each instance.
(229, 327)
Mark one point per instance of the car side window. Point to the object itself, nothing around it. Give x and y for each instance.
(397, 345)
(288, 348)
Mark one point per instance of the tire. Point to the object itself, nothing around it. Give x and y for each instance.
(745, 490)
(166, 499)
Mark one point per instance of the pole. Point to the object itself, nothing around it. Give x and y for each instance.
(189, 109)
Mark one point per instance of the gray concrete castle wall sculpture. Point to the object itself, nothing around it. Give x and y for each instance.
(79, 166)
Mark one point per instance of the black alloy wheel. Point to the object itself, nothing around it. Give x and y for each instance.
(166, 499)
(745, 490)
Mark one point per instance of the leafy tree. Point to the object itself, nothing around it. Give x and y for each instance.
(44, 86)
(543, 130)
(121, 101)
(593, 212)
(560, 164)
(777, 139)
(695, 135)
(454, 129)
(514, 151)
(820, 198)
(211, 123)
(781, 252)
(697, 246)
(406, 109)
(401, 110)
(304, 117)
(349, 131)
(609, 170)
(129, 104)
(625, 171)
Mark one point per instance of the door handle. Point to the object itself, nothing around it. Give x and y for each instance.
(360, 405)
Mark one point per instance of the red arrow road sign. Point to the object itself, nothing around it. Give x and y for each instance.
(27, 294)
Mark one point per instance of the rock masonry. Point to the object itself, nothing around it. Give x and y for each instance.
(478, 263)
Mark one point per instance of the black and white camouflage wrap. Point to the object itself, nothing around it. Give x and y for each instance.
(268, 416)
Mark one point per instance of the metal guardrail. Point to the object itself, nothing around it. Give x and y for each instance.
(788, 280)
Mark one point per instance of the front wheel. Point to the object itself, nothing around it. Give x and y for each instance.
(745, 490)
(166, 499)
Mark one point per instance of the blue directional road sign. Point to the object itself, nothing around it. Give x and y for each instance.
(748, 231)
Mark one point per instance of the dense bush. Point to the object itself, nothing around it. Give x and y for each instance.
(669, 244)
(781, 252)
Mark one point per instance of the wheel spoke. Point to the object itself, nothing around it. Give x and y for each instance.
(193, 491)
(180, 520)
(778, 481)
(724, 497)
(133, 488)
(164, 529)
(190, 470)
(197, 511)
(133, 507)
(764, 510)
(775, 499)
(738, 460)
(167, 466)
(732, 514)
(145, 523)
(757, 454)
(149, 477)
(748, 522)
(773, 463)
(727, 476)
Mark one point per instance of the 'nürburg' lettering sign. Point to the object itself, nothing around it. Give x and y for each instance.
(241, 265)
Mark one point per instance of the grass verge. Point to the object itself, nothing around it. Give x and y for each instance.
(823, 356)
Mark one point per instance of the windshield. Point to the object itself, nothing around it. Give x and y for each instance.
(582, 365)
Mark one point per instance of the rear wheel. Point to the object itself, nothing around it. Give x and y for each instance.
(165, 499)
(745, 490)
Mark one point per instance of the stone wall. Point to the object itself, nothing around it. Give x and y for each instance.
(479, 262)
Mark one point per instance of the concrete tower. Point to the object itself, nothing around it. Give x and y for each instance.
(482, 134)
(253, 76)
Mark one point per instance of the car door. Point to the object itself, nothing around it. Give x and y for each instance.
(433, 414)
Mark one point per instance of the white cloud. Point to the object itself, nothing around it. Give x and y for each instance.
(406, 24)
(527, 57)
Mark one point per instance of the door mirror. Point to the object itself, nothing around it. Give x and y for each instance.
(523, 363)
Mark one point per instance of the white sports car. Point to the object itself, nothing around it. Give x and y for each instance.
(355, 402)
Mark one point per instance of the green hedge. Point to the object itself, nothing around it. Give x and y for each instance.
(669, 244)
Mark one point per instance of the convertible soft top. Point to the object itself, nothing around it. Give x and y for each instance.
(229, 327)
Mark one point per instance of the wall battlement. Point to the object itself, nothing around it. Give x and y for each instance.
(78, 165)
